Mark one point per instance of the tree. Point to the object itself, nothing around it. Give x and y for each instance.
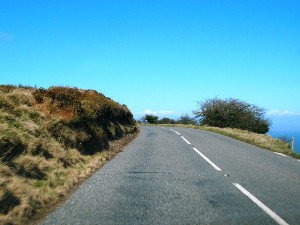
(151, 119)
(186, 119)
(166, 121)
(232, 113)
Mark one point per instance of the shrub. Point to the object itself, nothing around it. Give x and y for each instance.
(39, 95)
(7, 88)
(151, 119)
(186, 119)
(232, 113)
(166, 121)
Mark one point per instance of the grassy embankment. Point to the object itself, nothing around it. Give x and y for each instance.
(50, 140)
(259, 140)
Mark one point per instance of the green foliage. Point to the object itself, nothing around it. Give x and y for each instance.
(151, 119)
(186, 119)
(40, 183)
(183, 119)
(232, 113)
(166, 120)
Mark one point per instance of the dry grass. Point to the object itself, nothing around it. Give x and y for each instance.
(259, 140)
(51, 140)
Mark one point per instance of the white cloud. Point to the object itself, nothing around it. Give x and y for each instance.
(277, 112)
(148, 111)
(159, 113)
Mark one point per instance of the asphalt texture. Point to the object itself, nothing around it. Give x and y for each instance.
(160, 179)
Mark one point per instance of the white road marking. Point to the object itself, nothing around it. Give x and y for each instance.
(185, 140)
(261, 205)
(281, 154)
(207, 160)
(177, 133)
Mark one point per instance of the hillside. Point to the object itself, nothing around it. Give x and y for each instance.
(51, 139)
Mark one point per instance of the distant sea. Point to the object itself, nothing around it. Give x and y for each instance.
(288, 134)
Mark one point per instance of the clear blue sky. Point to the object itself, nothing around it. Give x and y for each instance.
(160, 56)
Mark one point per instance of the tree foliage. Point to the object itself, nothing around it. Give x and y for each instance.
(186, 119)
(151, 119)
(166, 120)
(183, 119)
(232, 113)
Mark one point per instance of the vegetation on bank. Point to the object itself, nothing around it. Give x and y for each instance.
(231, 117)
(260, 140)
(233, 113)
(221, 113)
(51, 139)
(183, 119)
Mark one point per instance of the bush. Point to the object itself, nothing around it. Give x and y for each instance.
(151, 119)
(166, 120)
(186, 119)
(232, 113)
(7, 88)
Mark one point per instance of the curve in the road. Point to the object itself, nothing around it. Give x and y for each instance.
(160, 179)
(261, 205)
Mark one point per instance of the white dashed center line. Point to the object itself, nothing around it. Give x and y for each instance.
(185, 140)
(175, 132)
(261, 205)
(267, 210)
(207, 160)
(196, 150)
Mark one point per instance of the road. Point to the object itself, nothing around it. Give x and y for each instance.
(187, 176)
